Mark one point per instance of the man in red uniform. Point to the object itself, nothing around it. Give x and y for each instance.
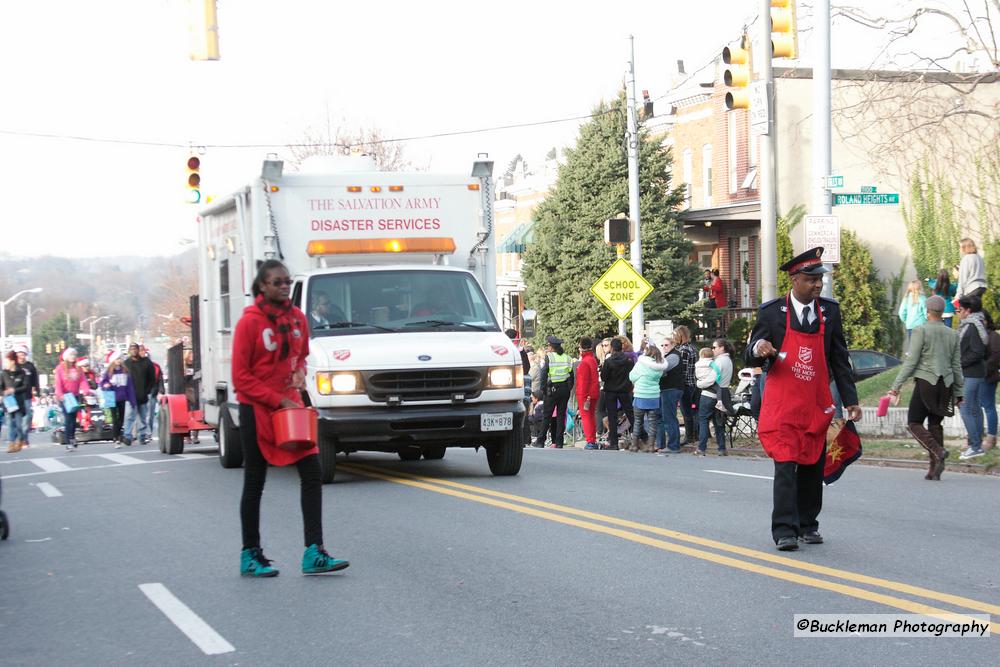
(270, 346)
(587, 391)
(799, 339)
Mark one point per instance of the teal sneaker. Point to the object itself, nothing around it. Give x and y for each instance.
(317, 561)
(254, 564)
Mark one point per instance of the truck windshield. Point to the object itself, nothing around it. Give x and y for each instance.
(345, 304)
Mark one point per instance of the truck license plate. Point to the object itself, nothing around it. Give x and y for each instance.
(503, 421)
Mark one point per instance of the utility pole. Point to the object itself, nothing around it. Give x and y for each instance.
(822, 152)
(768, 231)
(632, 141)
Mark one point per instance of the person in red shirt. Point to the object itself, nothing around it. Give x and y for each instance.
(270, 346)
(588, 390)
(717, 290)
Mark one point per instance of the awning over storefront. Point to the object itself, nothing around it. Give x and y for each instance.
(517, 239)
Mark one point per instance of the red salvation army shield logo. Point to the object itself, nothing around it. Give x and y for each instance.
(341, 355)
(805, 354)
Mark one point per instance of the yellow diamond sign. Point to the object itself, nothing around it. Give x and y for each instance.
(621, 289)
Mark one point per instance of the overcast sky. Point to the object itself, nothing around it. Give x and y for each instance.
(119, 69)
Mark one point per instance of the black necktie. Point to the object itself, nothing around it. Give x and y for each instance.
(805, 316)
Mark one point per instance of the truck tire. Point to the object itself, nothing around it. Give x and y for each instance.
(327, 460)
(505, 456)
(434, 453)
(170, 443)
(230, 447)
(409, 454)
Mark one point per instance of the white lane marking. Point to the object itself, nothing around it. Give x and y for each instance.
(123, 459)
(188, 622)
(738, 474)
(49, 490)
(50, 465)
(44, 539)
(110, 465)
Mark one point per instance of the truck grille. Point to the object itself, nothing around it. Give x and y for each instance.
(424, 385)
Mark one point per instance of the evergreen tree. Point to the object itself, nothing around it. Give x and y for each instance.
(856, 286)
(58, 333)
(783, 238)
(568, 253)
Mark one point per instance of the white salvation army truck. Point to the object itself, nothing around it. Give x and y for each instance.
(393, 271)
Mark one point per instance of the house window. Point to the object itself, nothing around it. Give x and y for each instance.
(688, 175)
(706, 173)
(731, 151)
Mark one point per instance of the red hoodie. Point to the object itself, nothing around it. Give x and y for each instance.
(587, 385)
(261, 378)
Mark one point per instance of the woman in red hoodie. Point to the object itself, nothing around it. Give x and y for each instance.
(270, 346)
(588, 390)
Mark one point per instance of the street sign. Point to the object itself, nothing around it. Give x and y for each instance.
(868, 189)
(865, 198)
(84, 336)
(824, 230)
(834, 182)
(759, 112)
(621, 289)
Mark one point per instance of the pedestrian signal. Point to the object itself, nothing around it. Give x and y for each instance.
(194, 179)
(784, 43)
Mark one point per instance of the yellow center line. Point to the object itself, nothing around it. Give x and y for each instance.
(482, 496)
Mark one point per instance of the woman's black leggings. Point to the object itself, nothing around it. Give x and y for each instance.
(117, 419)
(254, 474)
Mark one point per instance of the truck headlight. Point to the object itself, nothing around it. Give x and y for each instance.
(505, 377)
(339, 383)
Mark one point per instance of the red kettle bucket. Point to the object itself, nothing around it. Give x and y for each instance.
(296, 428)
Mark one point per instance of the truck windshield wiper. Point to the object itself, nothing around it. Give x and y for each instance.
(444, 323)
(345, 325)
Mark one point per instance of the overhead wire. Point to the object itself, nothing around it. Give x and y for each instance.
(436, 135)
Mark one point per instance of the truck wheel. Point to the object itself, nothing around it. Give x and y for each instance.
(230, 447)
(409, 454)
(434, 453)
(327, 460)
(171, 443)
(505, 456)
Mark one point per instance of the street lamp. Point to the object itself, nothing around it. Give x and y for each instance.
(31, 311)
(3, 313)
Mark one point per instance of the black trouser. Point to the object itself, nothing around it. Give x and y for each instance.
(689, 408)
(924, 394)
(254, 474)
(117, 419)
(556, 398)
(612, 399)
(798, 497)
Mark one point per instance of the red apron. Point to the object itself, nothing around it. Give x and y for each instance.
(798, 407)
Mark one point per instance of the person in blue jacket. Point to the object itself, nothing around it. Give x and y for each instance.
(117, 379)
(913, 310)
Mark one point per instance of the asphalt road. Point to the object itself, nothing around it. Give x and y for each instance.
(586, 558)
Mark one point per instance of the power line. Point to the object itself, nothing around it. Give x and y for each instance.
(160, 144)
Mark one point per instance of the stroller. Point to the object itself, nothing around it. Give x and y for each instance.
(741, 421)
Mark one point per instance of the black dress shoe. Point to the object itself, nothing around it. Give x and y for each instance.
(788, 544)
(812, 537)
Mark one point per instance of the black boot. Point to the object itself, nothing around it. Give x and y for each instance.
(942, 453)
(926, 440)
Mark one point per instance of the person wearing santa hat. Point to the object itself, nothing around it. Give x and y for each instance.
(117, 379)
(69, 380)
(88, 372)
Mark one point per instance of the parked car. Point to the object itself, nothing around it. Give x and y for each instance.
(866, 363)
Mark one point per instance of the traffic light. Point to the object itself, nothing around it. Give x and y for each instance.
(48, 348)
(784, 43)
(194, 179)
(737, 74)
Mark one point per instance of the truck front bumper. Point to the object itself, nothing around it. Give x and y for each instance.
(388, 429)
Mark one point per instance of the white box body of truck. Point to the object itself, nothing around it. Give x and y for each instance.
(392, 271)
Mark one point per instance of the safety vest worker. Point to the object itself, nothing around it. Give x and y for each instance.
(557, 379)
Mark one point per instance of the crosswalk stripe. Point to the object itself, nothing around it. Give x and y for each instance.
(49, 490)
(123, 459)
(191, 624)
(50, 465)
